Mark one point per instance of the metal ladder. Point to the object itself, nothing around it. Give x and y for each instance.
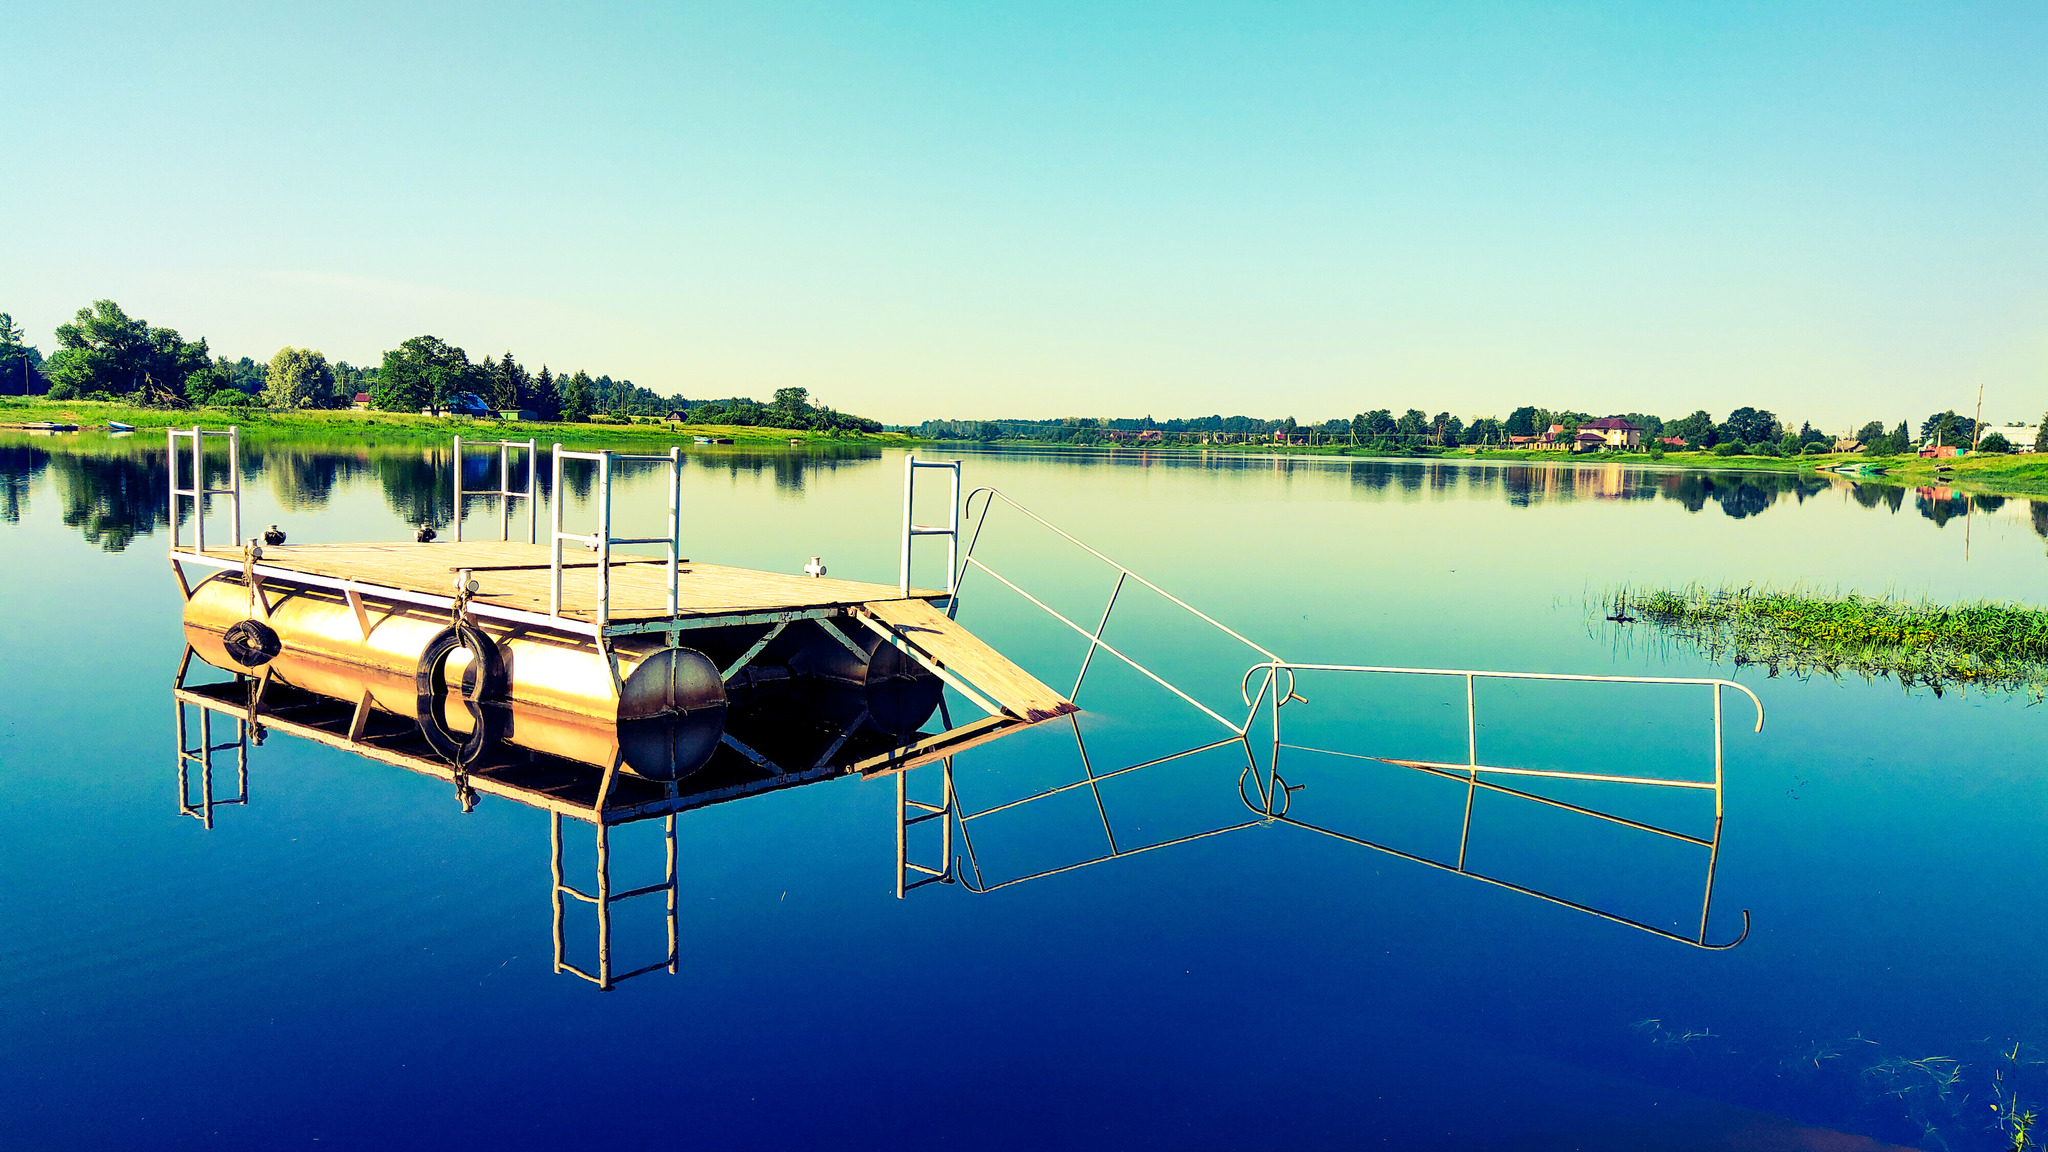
(198, 492)
(602, 540)
(504, 492)
(912, 529)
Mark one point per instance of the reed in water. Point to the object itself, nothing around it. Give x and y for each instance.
(1985, 644)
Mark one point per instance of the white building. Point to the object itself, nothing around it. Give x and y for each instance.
(2020, 436)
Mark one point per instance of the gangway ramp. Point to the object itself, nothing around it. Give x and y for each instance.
(963, 660)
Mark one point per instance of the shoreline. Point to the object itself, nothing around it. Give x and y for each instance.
(331, 425)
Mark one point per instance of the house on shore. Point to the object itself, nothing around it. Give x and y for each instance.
(1611, 432)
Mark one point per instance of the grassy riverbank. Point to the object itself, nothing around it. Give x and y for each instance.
(1999, 646)
(319, 426)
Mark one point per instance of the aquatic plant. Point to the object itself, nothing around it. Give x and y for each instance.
(1984, 644)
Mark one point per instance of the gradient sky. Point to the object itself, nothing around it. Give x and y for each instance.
(1839, 212)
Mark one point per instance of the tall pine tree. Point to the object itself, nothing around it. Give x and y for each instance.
(544, 402)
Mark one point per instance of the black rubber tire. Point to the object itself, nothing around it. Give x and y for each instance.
(251, 643)
(483, 683)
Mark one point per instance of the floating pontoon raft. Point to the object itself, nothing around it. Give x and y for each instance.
(588, 631)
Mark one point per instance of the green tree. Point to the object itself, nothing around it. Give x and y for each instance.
(575, 396)
(1482, 430)
(1751, 426)
(423, 371)
(1870, 432)
(545, 401)
(1995, 442)
(1698, 429)
(103, 349)
(1521, 422)
(509, 383)
(298, 378)
(1413, 422)
(1377, 424)
(14, 346)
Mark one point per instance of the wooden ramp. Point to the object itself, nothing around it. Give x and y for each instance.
(957, 654)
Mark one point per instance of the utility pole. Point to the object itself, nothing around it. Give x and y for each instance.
(1977, 425)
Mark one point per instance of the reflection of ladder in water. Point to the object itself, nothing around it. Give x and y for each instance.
(603, 900)
(201, 754)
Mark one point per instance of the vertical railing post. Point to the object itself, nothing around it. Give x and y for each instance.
(953, 541)
(909, 486)
(171, 445)
(1471, 769)
(555, 866)
(199, 490)
(674, 945)
(235, 482)
(675, 524)
(458, 490)
(555, 540)
(504, 491)
(604, 906)
(604, 535)
(532, 489)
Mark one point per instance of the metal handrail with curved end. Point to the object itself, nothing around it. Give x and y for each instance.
(989, 496)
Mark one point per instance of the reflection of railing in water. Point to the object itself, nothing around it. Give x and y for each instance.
(1275, 794)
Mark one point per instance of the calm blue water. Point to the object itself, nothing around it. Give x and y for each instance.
(351, 960)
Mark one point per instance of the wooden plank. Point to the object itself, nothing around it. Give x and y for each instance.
(937, 746)
(516, 574)
(962, 653)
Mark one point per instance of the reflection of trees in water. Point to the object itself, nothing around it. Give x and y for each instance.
(20, 464)
(788, 469)
(113, 499)
(417, 486)
(302, 479)
(1940, 505)
(1874, 496)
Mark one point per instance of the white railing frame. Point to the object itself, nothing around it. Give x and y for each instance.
(912, 529)
(504, 492)
(602, 540)
(198, 492)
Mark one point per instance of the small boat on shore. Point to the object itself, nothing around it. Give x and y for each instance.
(117, 426)
(40, 426)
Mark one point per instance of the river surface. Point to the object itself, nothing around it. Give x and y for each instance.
(351, 960)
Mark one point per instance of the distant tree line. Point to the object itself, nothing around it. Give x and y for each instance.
(1746, 430)
(105, 354)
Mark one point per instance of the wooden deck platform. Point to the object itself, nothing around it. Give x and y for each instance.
(515, 575)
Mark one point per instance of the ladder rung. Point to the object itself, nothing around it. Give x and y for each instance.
(928, 530)
(640, 540)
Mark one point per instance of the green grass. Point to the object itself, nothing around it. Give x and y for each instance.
(1992, 645)
(317, 426)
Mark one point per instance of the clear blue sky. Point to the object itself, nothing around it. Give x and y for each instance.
(1835, 211)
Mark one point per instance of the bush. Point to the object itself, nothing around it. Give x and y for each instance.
(1730, 448)
(1817, 449)
(1996, 442)
(1656, 450)
(1767, 449)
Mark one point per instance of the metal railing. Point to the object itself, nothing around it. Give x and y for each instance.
(199, 491)
(504, 491)
(1095, 641)
(912, 529)
(602, 540)
(201, 755)
(1275, 795)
